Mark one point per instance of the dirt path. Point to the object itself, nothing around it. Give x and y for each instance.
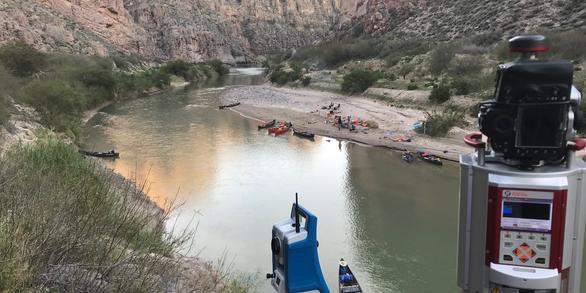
(304, 109)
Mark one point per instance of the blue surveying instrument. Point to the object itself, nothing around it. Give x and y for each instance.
(294, 245)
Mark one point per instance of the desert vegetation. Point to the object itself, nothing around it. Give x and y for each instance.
(464, 67)
(61, 86)
(68, 225)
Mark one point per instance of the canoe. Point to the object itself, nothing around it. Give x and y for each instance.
(348, 282)
(408, 157)
(267, 125)
(430, 158)
(229, 105)
(278, 130)
(110, 154)
(304, 134)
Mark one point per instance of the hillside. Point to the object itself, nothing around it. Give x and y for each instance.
(449, 19)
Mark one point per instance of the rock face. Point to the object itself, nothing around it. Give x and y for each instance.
(194, 30)
(449, 19)
(235, 30)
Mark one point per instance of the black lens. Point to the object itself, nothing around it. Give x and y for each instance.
(504, 123)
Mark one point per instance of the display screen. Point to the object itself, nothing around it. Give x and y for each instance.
(542, 126)
(526, 210)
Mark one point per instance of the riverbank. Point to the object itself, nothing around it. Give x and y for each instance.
(55, 190)
(304, 109)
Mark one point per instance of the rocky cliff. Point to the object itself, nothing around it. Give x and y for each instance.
(449, 19)
(235, 30)
(168, 29)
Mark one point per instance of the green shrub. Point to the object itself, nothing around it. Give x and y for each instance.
(306, 80)
(340, 51)
(405, 69)
(440, 58)
(486, 39)
(440, 123)
(219, 67)
(4, 114)
(281, 75)
(462, 86)
(567, 45)
(412, 86)
(59, 210)
(440, 93)
(465, 66)
(395, 49)
(159, 78)
(21, 59)
(59, 104)
(357, 81)
(178, 68)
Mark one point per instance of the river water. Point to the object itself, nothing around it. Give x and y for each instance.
(395, 223)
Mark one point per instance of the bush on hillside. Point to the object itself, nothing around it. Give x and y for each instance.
(465, 66)
(178, 68)
(59, 104)
(412, 87)
(219, 67)
(440, 59)
(306, 80)
(357, 81)
(486, 39)
(63, 226)
(440, 93)
(338, 52)
(439, 123)
(462, 86)
(395, 49)
(4, 114)
(567, 45)
(282, 75)
(405, 69)
(159, 79)
(21, 59)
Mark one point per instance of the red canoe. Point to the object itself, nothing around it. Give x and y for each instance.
(278, 130)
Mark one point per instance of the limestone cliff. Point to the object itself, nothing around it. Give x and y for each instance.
(167, 29)
(235, 30)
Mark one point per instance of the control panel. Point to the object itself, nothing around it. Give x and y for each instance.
(525, 232)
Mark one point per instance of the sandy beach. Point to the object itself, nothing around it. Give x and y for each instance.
(304, 109)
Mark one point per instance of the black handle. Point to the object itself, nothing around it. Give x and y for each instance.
(297, 228)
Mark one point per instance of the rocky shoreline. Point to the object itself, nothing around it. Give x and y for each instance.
(304, 109)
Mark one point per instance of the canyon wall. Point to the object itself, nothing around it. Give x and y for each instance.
(194, 30)
(237, 30)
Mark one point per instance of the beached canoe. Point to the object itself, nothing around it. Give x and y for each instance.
(408, 157)
(110, 154)
(267, 125)
(430, 158)
(229, 105)
(348, 282)
(303, 134)
(278, 130)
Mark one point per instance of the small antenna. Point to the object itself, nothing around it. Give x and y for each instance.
(296, 213)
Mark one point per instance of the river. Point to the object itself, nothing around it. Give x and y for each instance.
(396, 223)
